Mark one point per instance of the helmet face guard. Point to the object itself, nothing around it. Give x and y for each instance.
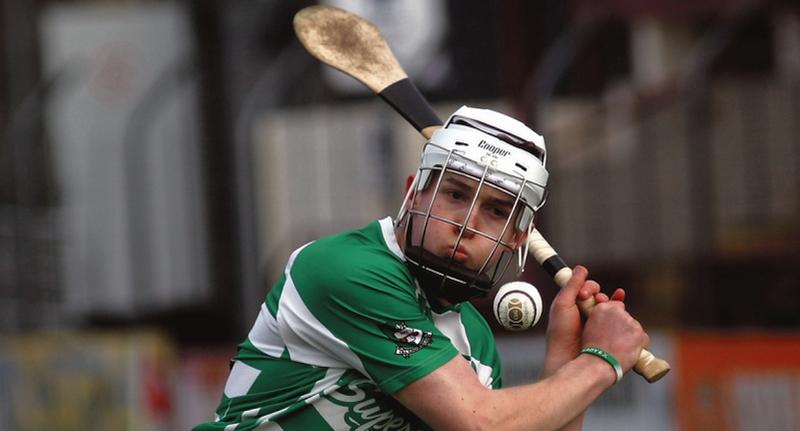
(467, 174)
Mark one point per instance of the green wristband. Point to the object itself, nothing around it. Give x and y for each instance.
(602, 354)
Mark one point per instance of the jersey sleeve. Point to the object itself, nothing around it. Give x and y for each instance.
(368, 300)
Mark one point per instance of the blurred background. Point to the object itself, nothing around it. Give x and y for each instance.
(159, 160)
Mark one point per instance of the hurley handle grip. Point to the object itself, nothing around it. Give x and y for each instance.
(648, 366)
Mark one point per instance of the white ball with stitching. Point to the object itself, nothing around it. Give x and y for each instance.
(517, 306)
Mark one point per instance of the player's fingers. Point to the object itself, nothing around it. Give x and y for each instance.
(617, 304)
(600, 298)
(589, 289)
(566, 296)
(618, 295)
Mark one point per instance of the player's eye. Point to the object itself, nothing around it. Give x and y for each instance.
(456, 195)
(499, 212)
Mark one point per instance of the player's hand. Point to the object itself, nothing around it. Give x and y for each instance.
(618, 295)
(614, 330)
(564, 324)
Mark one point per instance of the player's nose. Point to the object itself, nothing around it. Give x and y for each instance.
(472, 224)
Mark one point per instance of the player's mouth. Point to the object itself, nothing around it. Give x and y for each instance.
(460, 254)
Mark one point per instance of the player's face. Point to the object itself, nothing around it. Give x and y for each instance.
(486, 223)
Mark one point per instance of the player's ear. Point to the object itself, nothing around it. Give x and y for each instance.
(520, 238)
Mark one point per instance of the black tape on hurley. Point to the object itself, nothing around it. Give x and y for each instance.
(406, 99)
(553, 264)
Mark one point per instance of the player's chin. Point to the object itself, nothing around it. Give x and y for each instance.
(470, 264)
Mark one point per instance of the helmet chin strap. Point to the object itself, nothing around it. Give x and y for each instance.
(442, 278)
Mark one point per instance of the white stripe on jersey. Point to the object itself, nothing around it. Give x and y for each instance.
(331, 377)
(264, 334)
(484, 372)
(269, 426)
(332, 413)
(240, 380)
(450, 324)
(306, 338)
(252, 413)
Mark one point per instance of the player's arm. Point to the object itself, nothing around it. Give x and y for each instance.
(452, 397)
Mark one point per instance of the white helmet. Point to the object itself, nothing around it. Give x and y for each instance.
(499, 152)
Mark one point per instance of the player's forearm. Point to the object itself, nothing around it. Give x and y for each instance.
(552, 363)
(557, 401)
(576, 424)
(452, 397)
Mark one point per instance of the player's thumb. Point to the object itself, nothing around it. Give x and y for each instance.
(569, 293)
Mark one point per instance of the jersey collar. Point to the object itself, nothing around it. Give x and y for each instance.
(387, 229)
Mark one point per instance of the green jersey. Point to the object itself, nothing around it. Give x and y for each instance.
(345, 327)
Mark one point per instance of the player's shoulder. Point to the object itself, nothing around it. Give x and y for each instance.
(361, 256)
(348, 249)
